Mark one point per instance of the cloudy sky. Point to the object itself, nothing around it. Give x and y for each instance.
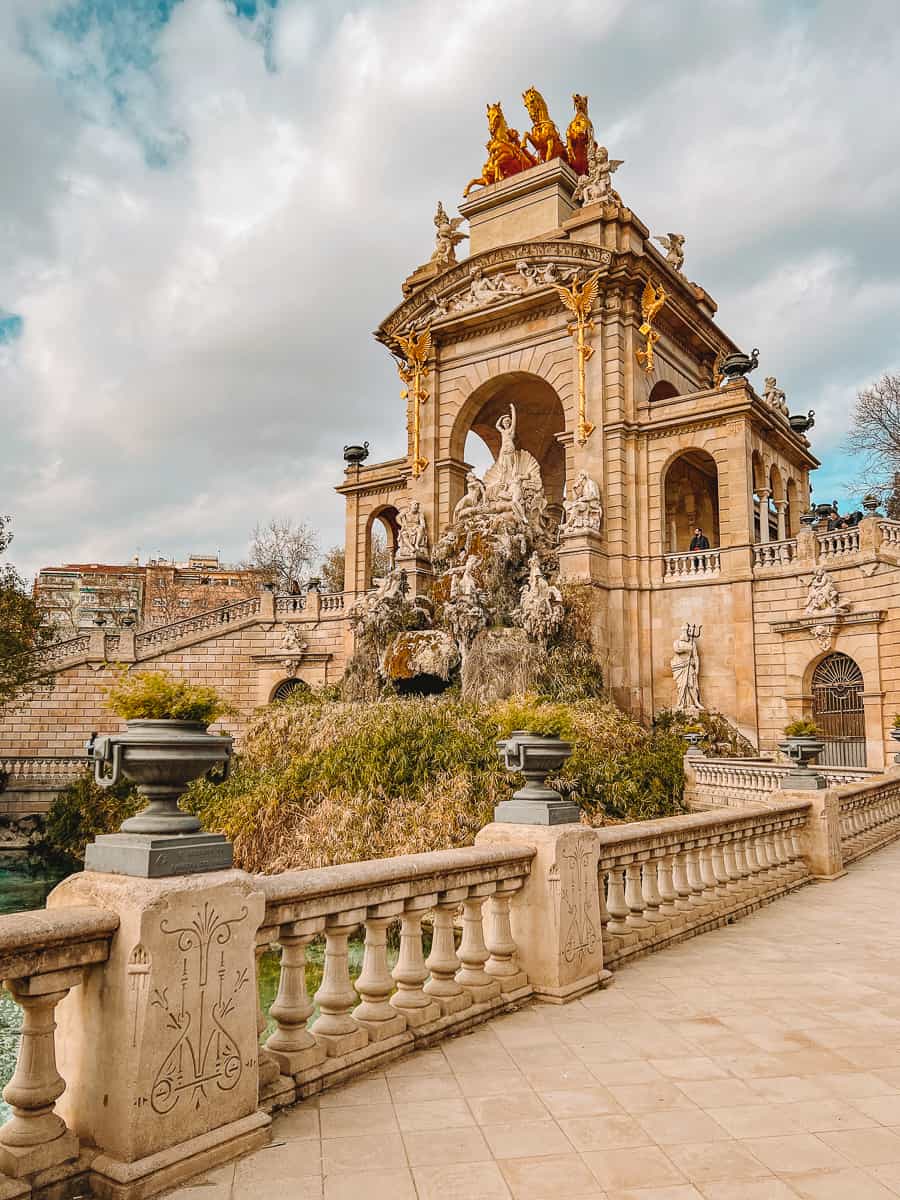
(207, 206)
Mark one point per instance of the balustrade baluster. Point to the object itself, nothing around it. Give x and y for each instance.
(634, 897)
(667, 894)
(720, 875)
(731, 869)
(292, 1045)
(650, 889)
(616, 903)
(502, 964)
(269, 1070)
(682, 883)
(442, 962)
(410, 972)
(36, 1137)
(601, 889)
(473, 953)
(374, 1012)
(708, 875)
(335, 1027)
(695, 879)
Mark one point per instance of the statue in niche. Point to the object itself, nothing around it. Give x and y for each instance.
(596, 186)
(513, 482)
(540, 611)
(582, 508)
(447, 237)
(673, 244)
(685, 666)
(822, 594)
(412, 538)
(774, 396)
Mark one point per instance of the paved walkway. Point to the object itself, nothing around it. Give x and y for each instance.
(757, 1062)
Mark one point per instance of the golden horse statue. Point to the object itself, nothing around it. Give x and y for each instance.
(506, 154)
(543, 135)
(579, 136)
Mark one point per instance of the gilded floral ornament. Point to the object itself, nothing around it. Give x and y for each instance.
(412, 367)
(652, 300)
(579, 300)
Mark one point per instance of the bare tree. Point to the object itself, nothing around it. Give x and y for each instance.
(331, 569)
(285, 549)
(875, 432)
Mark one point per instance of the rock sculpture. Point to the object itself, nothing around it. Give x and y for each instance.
(412, 538)
(447, 237)
(822, 594)
(420, 652)
(540, 611)
(685, 666)
(774, 396)
(673, 244)
(595, 187)
(582, 508)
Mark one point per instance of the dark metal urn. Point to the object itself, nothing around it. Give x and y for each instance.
(735, 366)
(801, 423)
(535, 756)
(802, 751)
(162, 758)
(355, 455)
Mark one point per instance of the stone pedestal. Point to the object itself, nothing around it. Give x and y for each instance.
(158, 855)
(581, 557)
(537, 812)
(526, 206)
(822, 836)
(419, 575)
(555, 917)
(159, 1045)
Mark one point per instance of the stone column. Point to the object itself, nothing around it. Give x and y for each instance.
(764, 494)
(144, 1083)
(292, 1045)
(781, 509)
(555, 917)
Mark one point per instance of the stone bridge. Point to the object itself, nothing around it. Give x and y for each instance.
(750, 1045)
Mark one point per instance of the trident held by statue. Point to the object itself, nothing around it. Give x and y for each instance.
(693, 631)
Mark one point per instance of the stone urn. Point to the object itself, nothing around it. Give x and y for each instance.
(535, 756)
(800, 423)
(735, 366)
(162, 758)
(802, 751)
(693, 743)
(871, 504)
(356, 455)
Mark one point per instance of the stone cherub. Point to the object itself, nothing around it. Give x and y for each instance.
(447, 237)
(822, 594)
(582, 508)
(596, 186)
(673, 244)
(772, 394)
(412, 538)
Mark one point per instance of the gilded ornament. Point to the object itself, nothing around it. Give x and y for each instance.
(543, 135)
(412, 367)
(579, 300)
(652, 300)
(506, 154)
(579, 136)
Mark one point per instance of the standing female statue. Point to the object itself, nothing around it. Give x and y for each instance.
(685, 666)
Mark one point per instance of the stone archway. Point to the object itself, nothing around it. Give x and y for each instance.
(286, 688)
(540, 418)
(838, 710)
(691, 491)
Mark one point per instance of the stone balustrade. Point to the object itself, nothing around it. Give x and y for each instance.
(890, 532)
(775, 554)
(20, 769)
(727, 782)
(869, 817)
(333, 602)
(697, 564)
(663, 881)
(841, 541)
(228, 614)
(290, 604)
(70, 648)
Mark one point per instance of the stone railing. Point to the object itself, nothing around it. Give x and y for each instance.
(662, 881)
(775, 554)
(71, 648)
(333, 602)
(869, 817)
(17, 770)
(841, 541)
(728, 782)
(697, 564)
(242, 610)
(890, 532)
(290, 604)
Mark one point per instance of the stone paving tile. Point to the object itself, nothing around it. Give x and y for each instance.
(752, 1063)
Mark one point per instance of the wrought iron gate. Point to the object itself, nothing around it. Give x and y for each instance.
(837, 686)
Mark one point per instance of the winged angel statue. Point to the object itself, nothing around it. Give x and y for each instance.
(447, 237)
(673, 244)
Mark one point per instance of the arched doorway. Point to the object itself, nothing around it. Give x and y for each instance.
(287, 687)
(381, 544)
(692, 500)
(837, 687)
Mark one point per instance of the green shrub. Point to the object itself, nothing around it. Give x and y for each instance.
(156, 696)
(897, 720)
(720, 738)
(530, 714)
(802, 728)
(83, 809)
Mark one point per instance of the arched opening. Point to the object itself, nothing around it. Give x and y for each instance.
(776, 506)
(692, 500)
(539, 418)
(837, 688)
(381, 544)
(793, 509)
(663, 390)
(287, 687)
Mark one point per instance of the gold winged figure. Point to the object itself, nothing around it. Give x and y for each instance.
(579, 300)
(652, 300)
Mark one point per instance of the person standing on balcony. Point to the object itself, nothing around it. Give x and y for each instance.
(699, 541)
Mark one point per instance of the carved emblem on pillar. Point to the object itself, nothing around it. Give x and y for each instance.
(412, 367)
(579, 300)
